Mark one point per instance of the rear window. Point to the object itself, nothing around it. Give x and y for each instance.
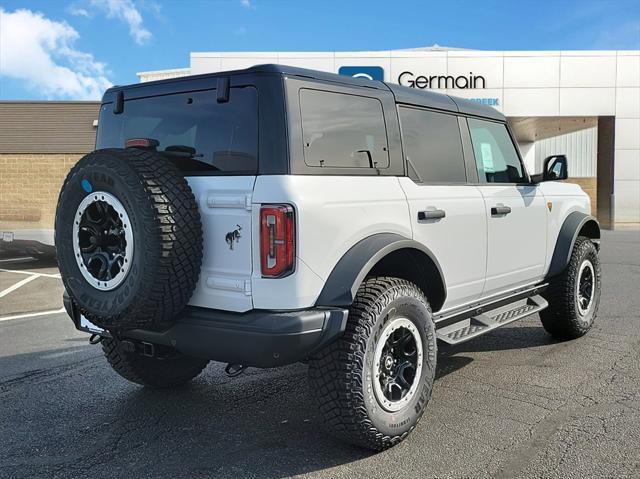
(343, 131)
(193, 129)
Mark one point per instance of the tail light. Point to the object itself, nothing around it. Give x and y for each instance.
(277, 240)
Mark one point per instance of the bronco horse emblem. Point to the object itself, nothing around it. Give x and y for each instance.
(233, 236)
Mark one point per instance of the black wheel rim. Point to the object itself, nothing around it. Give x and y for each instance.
(103, 240)
(397, 364)
(586, 287)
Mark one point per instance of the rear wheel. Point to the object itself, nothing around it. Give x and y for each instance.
(167, 369)
(373, 384)
(574, 295)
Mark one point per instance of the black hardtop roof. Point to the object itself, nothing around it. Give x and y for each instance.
(403, 94)
(441, 101)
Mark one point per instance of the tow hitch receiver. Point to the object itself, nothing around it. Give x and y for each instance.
(148, 349)
(141, 347)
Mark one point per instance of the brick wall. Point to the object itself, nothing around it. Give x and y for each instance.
(30, 184)
(29, 187)
(590, 187)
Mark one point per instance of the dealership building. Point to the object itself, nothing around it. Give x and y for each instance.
(585, 104)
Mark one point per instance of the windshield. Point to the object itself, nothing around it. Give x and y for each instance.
(192, 129)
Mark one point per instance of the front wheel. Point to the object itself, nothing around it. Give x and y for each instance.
(574, 295)
(373, 384)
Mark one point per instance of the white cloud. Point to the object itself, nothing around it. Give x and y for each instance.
(246, 3)
(41, 52)
(78, 11)
(127, 12)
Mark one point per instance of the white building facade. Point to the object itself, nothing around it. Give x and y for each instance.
(585, 104)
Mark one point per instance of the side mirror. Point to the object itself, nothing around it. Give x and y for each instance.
(554, 169)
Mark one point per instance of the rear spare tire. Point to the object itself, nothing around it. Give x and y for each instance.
(128, 238)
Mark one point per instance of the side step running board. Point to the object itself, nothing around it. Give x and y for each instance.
(483, 323)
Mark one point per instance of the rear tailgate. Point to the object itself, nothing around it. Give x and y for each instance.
(225, 209)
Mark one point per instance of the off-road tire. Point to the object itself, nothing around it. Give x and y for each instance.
(341, 374)
(172, 369)
(562, 319)
(167, 238)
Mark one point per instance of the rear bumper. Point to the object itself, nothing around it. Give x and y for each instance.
(257, 338)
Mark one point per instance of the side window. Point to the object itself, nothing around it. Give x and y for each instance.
(496, 156)
(343, 131)
(432, 145)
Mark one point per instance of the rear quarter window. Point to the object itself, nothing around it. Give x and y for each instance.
(343, 131)
(193, 129)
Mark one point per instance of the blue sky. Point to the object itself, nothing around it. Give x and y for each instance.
(74, 49)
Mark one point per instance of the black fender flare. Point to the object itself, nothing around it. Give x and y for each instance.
(344, 280)
(573, 224)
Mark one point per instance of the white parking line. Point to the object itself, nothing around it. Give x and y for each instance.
(62, 353)
(32, 315)
(19, 284)
(17, 271)
(13, 260)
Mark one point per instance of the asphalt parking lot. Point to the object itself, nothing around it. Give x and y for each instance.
(513, 403)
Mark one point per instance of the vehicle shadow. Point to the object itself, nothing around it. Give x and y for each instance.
(30, 264)
(517, 337)
(81, 417)
(73, 416)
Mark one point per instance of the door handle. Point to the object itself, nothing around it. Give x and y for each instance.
(500, 210)
(431, 215)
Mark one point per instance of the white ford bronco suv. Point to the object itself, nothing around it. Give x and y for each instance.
(274, 215)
